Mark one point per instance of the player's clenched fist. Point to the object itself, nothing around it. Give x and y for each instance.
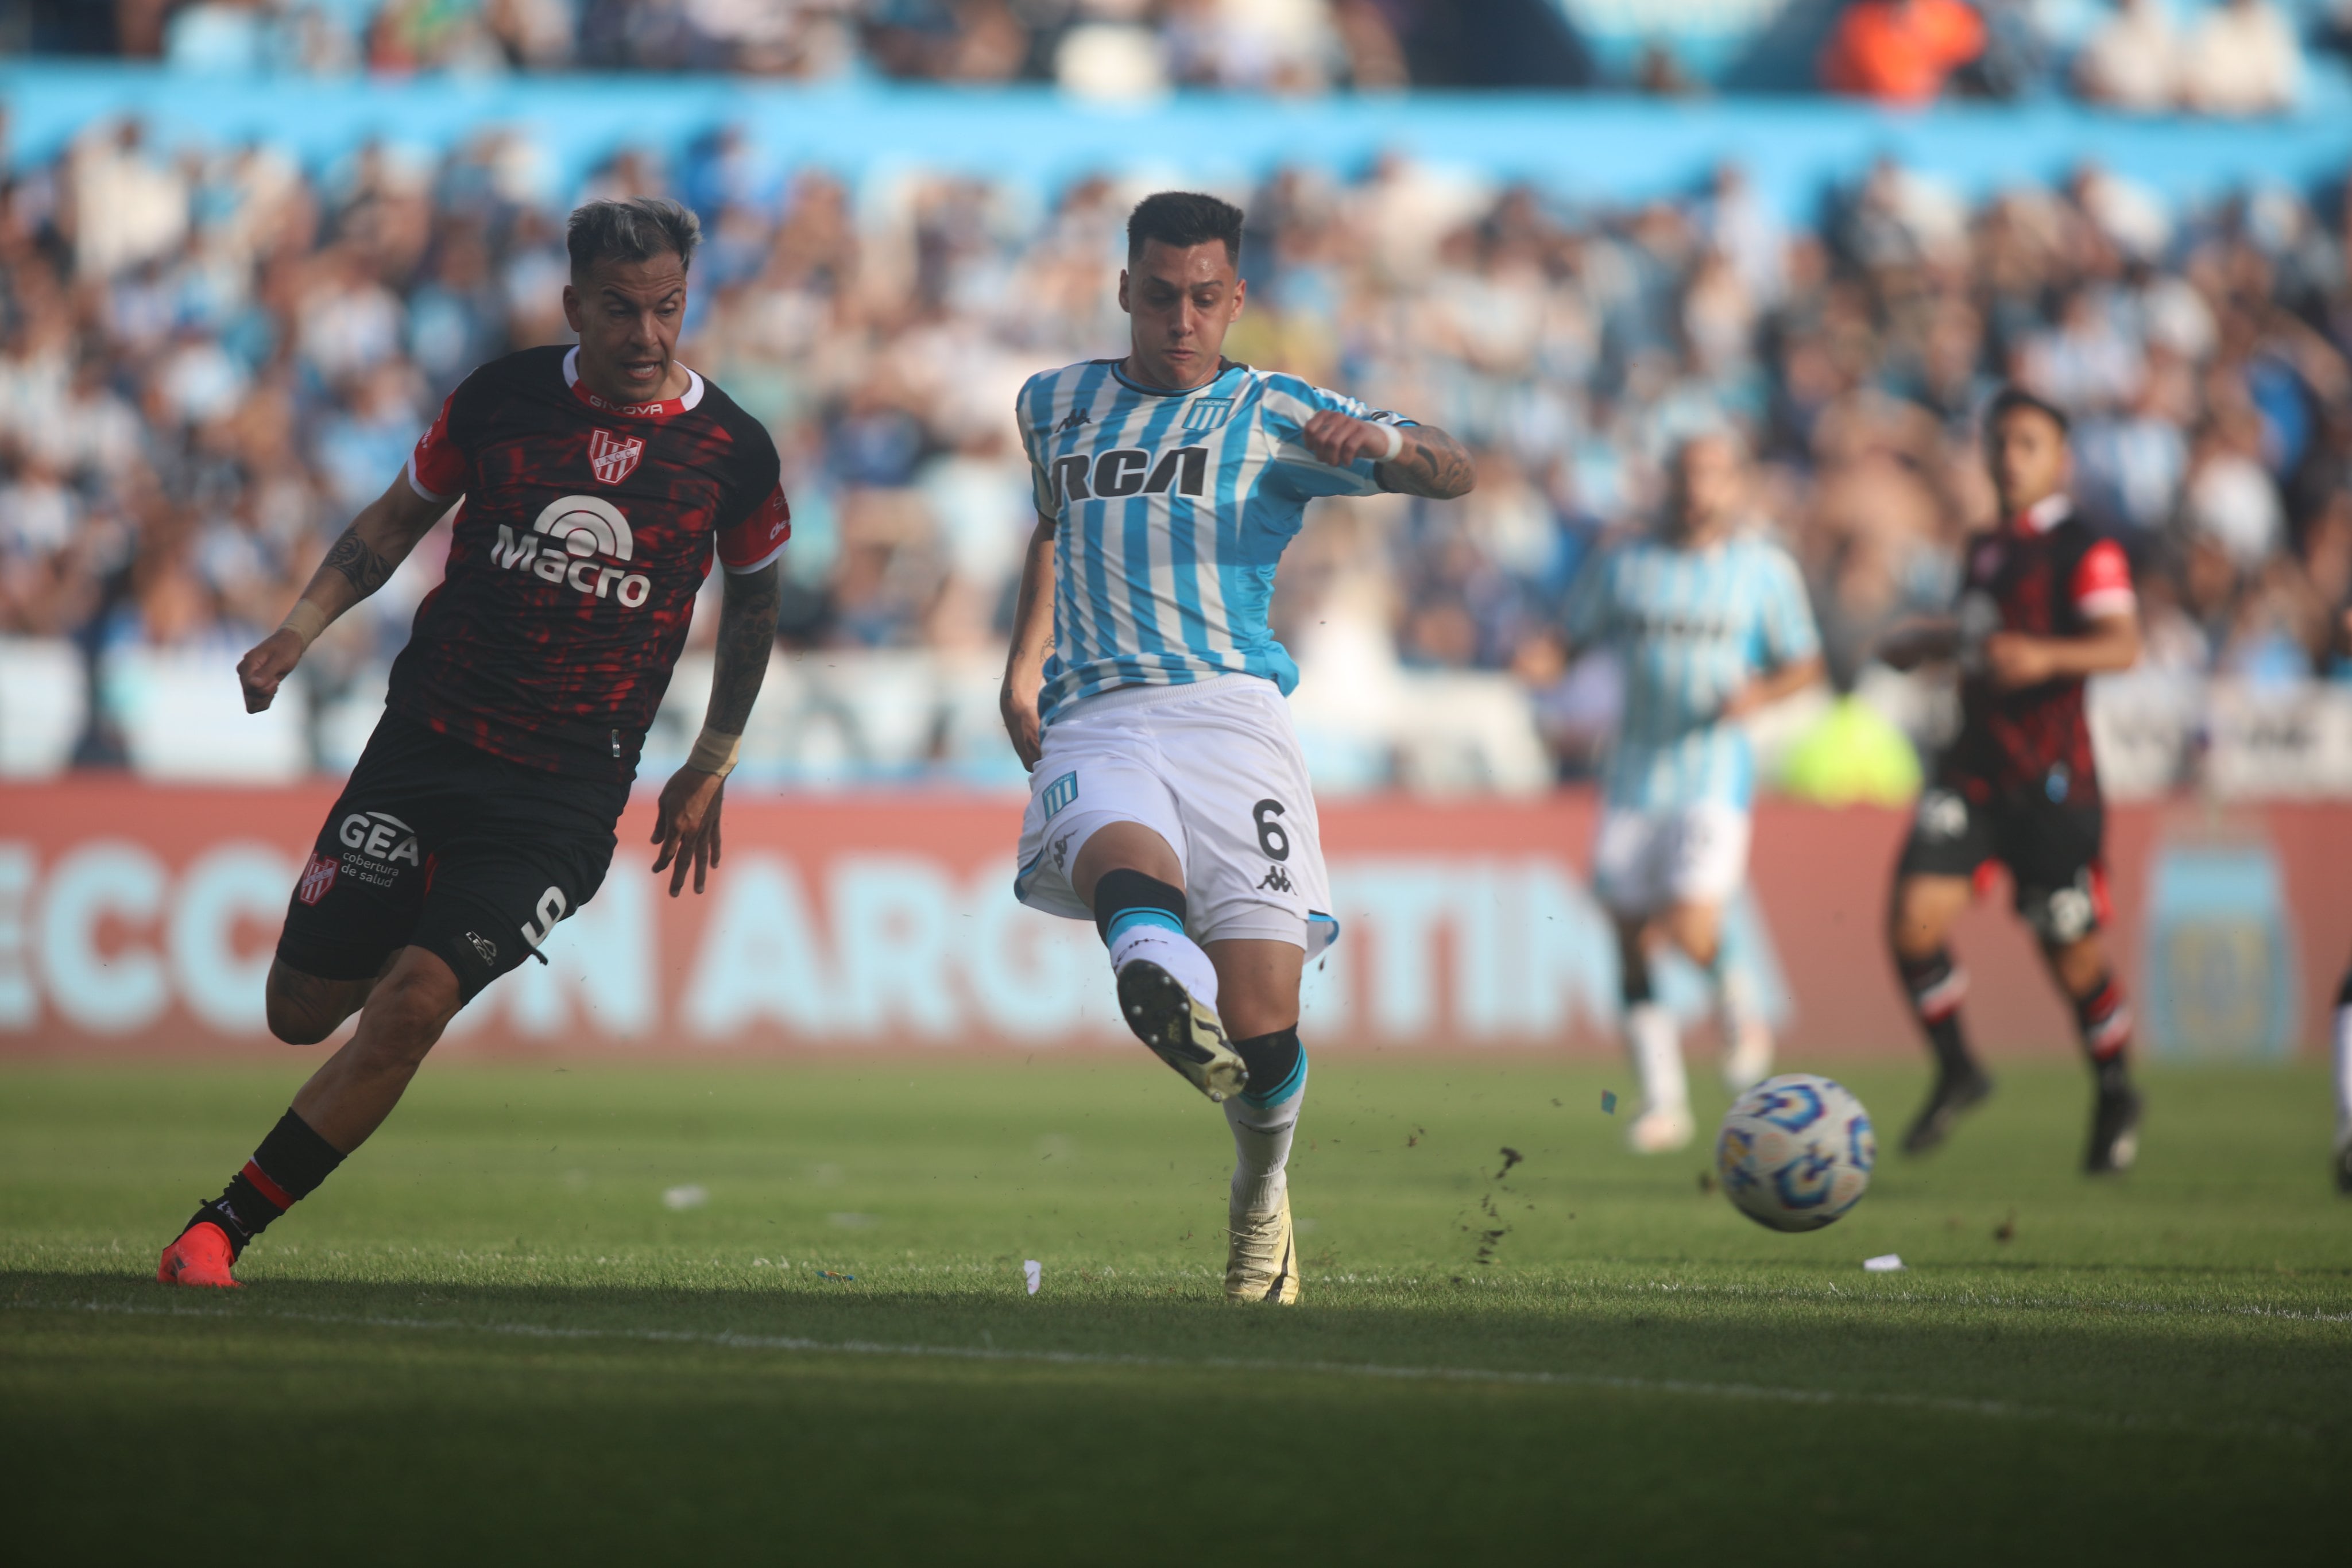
(1340, 439)
(1021, 722)
(265, 668)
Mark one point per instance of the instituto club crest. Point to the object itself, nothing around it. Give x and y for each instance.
(317, 878)
(613, 456)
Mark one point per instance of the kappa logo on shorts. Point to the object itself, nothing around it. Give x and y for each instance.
(318, 876)
(1278, 879)
(483, 945)
(1060, 793)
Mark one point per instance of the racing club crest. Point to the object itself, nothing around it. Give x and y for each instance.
(613, 456)
(1207, 413)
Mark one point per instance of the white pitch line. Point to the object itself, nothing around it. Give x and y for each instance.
(1994, 1409)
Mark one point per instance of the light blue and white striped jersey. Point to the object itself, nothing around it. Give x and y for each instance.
(1690, 628)
(1173, 508)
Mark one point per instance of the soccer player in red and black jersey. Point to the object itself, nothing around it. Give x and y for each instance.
(588, 490)
(2045, 601)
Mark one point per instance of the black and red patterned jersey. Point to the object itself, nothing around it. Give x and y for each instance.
(586, 530)
(2048, 575)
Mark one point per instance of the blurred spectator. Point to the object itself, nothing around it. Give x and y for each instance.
(1900, 51)
(2132, 61)
(2243, 58)
(207, 362)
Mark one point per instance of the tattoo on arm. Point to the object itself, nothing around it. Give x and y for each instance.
(747, 634)
(360, 565)
(1432, 464)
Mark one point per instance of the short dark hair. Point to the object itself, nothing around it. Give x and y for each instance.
(2012, 398)
(636, 228)
(1183, 219)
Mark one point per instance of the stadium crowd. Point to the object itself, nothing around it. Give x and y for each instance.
(208, 363)
(2214, 57)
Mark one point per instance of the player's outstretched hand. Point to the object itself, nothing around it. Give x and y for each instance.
(685, 826)
(1338, 439)
(266, 666)
(1022, 724)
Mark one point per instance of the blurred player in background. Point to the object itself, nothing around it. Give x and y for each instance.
(2044, 603)
(590, 487)
(2342, 1033)
(1144, 691)
(2342, 1042)
(1709, 623)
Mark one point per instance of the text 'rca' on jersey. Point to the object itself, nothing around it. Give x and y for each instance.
(1130, 471)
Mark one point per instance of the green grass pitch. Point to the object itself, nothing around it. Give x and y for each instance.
(491, 1336)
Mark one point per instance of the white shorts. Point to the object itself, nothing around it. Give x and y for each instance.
(1644, 862)
(1214, 769)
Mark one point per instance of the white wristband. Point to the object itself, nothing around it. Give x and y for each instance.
(306, 621)
(1396, 442)
(715, 751)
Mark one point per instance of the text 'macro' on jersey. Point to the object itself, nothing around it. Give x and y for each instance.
(1173, 510)
(587, 529)
(1690, 627)
(2045, 573)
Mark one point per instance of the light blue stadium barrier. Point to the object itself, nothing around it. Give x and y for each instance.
(1586, 147)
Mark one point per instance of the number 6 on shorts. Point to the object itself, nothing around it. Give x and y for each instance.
(1270, 836)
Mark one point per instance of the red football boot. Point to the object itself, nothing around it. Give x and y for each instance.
(201, 1256)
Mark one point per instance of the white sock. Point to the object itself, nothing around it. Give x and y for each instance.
(1736, 1010)
(1657, 1048)
(1173, 951)
(1262, 1135)
(2343, 1071)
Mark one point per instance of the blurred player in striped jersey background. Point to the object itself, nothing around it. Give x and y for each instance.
(1709, 623)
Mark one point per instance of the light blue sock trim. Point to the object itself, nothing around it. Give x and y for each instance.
(1295, 1083)
(1127, 919)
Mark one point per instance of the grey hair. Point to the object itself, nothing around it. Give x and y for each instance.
(636, 228)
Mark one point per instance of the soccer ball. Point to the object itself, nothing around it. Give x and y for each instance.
(1795, 1152)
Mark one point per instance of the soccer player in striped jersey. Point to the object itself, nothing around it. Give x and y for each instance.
(2341, 1023)
(1710, 623)
(1144, 691)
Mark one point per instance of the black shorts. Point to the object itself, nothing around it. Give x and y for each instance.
(2051, 849)
(437, 845)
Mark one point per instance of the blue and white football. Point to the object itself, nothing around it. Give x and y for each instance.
(1795, 1152)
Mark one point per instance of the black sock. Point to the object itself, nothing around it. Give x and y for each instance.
(1935, 986)
(288, 1168)
(2104, 1024)
(1123, 891)
(1273, 1062)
